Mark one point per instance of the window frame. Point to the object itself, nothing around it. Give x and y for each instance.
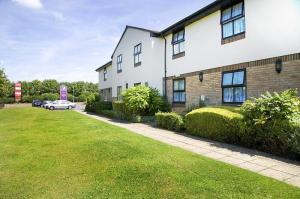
(243, 85)
(232, 19)
(177, 42)
(119, 93)
(105, 74)
(137, 84)
(138, 53)
(179, 91)
(119, 63)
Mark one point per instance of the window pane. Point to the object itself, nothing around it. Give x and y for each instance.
(176, 85)
(176, 48)
(227, 79)
(237, 9)
(136, 59)
(181, 47)
(181, 35)
(226, 14)
(239, 25)
(139, 48)
(228, 94)
(175, 37)
(181, 85)
(179, 96)
(240, 94)
(238, 77)
(227, 30)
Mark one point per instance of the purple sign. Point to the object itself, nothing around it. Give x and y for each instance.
(63, 92)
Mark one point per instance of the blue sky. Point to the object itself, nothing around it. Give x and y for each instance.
(68, 39)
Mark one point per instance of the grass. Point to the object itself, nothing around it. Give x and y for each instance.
(62, 154)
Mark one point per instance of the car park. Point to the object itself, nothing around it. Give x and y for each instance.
(61, 104)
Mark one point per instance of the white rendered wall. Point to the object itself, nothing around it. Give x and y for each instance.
(108, 83)
(272, 29)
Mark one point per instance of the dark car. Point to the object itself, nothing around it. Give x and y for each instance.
(37, 103)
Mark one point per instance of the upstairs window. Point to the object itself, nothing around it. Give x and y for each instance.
(234, 86)
(105, 74)
(179, 91)
(119, 63)
(233, 20)
(138, 55)
(178, 42)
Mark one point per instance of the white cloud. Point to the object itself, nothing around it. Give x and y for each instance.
(35, 4)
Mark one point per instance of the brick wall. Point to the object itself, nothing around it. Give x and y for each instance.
(260, 77)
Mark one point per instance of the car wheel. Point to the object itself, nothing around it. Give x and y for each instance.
(70, 107)
(51, 108)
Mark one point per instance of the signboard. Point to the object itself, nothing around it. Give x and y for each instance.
(18, 92)
(63, 92)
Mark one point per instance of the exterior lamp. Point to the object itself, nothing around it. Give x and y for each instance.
(278, 65)
(201, 76)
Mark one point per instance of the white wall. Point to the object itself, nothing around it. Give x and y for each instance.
(152, 68)
(108, 83)
(272, 29)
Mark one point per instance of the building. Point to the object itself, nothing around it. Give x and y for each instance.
(223, 54)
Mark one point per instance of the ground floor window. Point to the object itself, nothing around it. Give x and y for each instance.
(234, 86)
(119, 93)
(179, 91)
(137, 84)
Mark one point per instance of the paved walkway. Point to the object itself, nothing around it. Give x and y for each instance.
(264, 164)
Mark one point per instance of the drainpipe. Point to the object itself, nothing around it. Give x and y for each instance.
(165, 66)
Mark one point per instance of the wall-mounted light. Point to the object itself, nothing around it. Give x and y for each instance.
(278, 65)
(201, 76)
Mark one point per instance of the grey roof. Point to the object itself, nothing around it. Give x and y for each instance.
(105, 65)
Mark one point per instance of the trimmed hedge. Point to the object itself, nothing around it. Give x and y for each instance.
(170, 121)
(7, 100)
(217, 123)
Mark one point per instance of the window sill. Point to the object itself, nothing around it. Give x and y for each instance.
(119, 71)
(182, 54)
(233, 38)
(178, 104)
(137, 64)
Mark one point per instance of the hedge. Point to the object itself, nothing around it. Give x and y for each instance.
(7, 100)
(217, 123)
(170, 121)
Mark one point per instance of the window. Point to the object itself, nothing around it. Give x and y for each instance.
(179, 91)
(138, 55)
(234, 86)
(119, 63)
(105, 74)
(137, 84)
(119, 93)
(178, 42)
(233, 20)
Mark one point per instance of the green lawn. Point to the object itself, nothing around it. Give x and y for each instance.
(63, 154)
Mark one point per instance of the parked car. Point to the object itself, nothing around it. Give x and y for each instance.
(61, 104)
(36, 103)
(45, 104)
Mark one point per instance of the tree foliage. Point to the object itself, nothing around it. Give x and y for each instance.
(5, 85)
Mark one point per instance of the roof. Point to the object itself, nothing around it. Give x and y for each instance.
(152, 32)
(203, 12)
(105, 65)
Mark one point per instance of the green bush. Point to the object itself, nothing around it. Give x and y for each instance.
(29, 98)
(96, 105)
(7, 100)
(170, 121)
(108, 113)
(217, 123)
(271, 123)
(50, 96)
(142, 100)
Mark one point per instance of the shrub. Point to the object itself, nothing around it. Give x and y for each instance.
(96, 105)
(217, 123)
(108, 113)
(198, 105)
(170, 121)
(271, 123)
(29, 98)
(50, 96)
(7, 100)
(142, 100)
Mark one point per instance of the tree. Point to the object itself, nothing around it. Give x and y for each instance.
(50, 86)
(5, 85)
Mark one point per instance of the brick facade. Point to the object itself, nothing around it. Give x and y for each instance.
(261, 76)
